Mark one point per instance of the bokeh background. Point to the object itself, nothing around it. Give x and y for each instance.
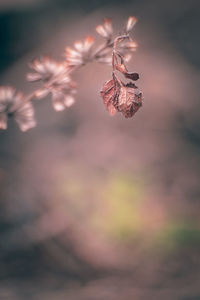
(94, 207)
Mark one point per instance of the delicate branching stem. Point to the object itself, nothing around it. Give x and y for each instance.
(119, 39)
(56, 76)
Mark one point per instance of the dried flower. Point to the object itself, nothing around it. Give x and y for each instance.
(44, 69)
(14, 104)
(62, 99)
(105, 30)
(56, 81)
(130, 23)
(62, 96)
(103, 54)
(81, 54)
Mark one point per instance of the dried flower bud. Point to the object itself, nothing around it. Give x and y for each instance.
(132, 76)
(105, 30)
(81, 53)
(108, 26)
(69, 100)
(56, 79)
(73, 57)
(88, 42)
(61, 101)
(45, 69)
(84, 46)
(102, 31)
(14, 104)
(130, 23)
(72, 53)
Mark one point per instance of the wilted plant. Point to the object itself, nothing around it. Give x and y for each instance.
(56, 78)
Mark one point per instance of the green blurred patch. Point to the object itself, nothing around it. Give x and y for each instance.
(110, 205)
(122, 198)
(177, 235)
(71, 191)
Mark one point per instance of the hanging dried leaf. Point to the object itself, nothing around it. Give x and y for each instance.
(129, 100)
(110, 94)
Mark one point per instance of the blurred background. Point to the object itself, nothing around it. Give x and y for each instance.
(94, 207)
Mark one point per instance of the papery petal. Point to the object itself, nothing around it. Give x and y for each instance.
(7, 98)
(88, 42)
(132, 45)
(69, 100)
(7, 92)
(53, 67)
(78, 45)
(72, 53)
(37, 66)
(24, 126)
(46, 69)
(33, 76)
(102, 31)
(3, 121)
(17, 101)
(58, 105)
(72, 84)
(74, 61)
(127, 57)
(63, 80)
(41, 93)
(130, 23)
(105, 60)
(58, 101)
(24, 117)
(108, 26)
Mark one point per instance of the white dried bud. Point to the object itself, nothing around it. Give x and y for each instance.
(105, 60)
(130, 23)
(14, 104)
(77, 56)
(106, 29)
